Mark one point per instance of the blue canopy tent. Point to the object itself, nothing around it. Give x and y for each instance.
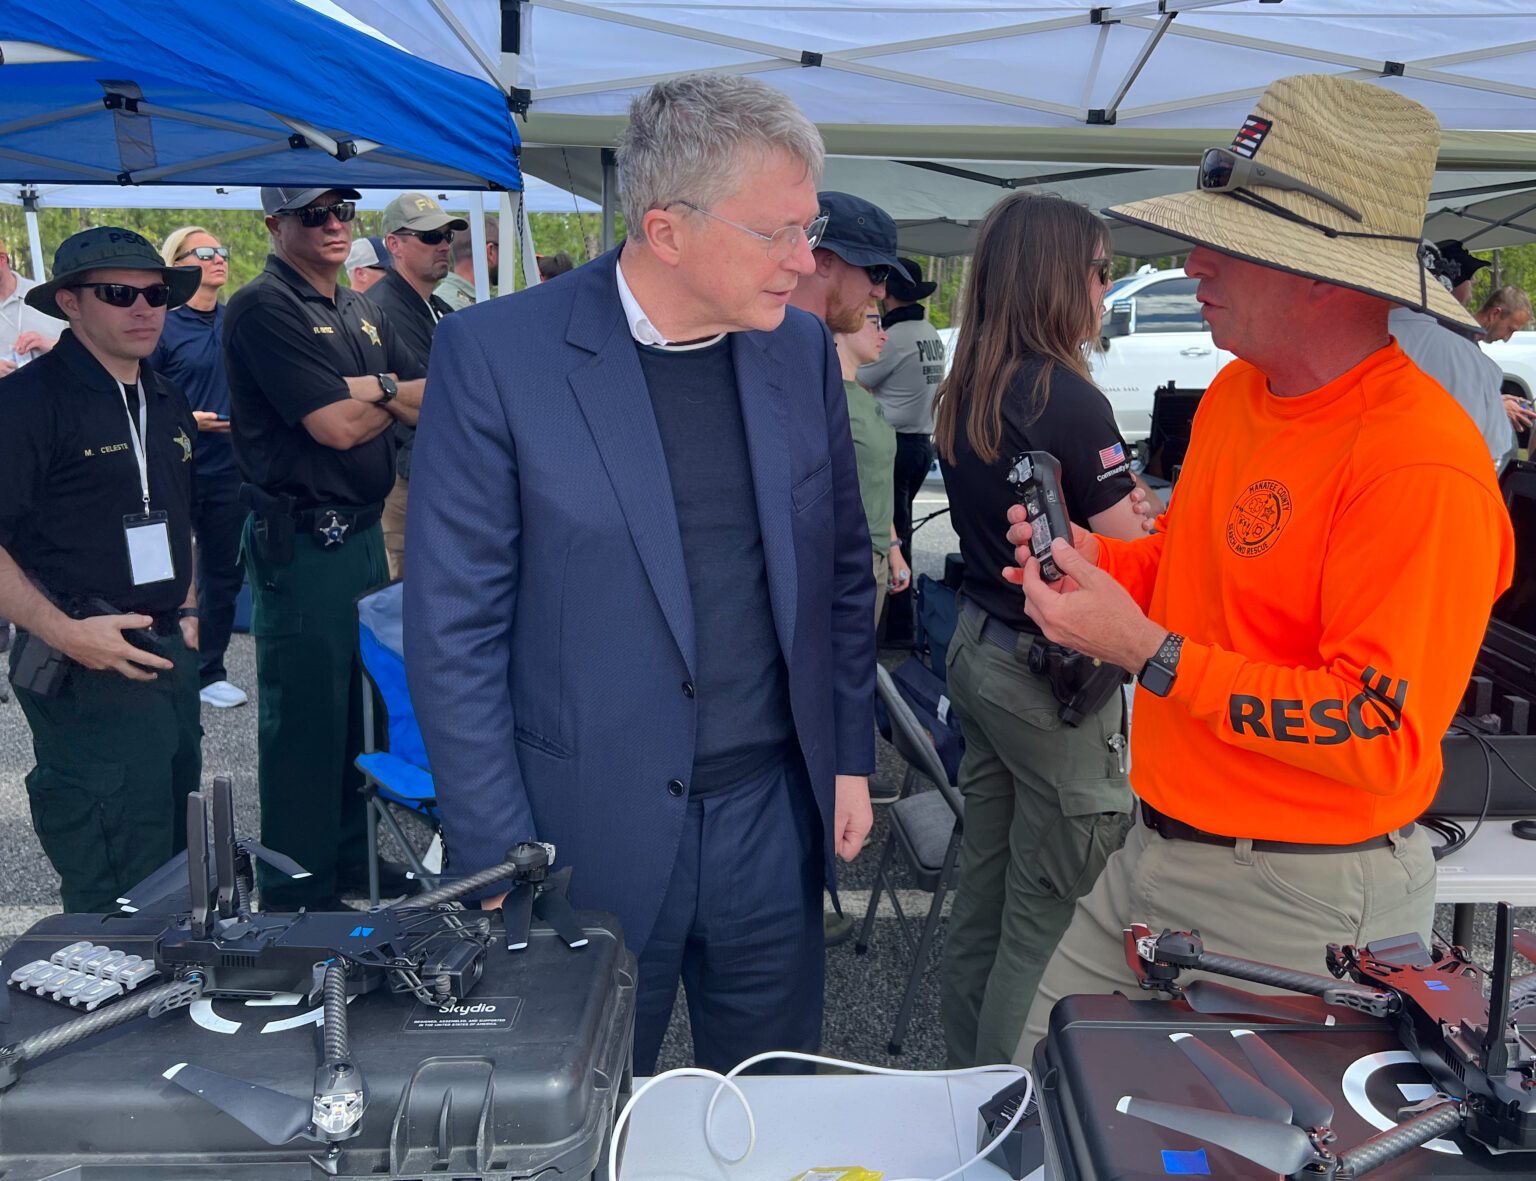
(270, 92)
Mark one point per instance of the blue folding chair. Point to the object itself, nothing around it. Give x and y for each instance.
(398, 777)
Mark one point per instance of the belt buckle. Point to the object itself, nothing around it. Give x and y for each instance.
(331, 528)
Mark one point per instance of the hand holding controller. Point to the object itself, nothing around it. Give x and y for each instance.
(1036, 480)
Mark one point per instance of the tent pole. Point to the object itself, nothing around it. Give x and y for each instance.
(610, 197)
(477, 248)
(35, 241)
(506, 272)
(530, 257)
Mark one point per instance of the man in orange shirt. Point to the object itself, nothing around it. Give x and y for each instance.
(1307, 615)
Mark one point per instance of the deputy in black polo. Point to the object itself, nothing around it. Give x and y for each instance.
(317, 379)
(95, 509)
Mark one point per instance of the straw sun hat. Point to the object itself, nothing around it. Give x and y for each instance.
(1364, 147)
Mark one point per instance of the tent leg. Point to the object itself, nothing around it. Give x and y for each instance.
(530, 256)
(610, 197)
(35, 244)
(477, 245)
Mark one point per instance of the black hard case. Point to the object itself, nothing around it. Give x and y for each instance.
(526, 1090)
(1100, 1048)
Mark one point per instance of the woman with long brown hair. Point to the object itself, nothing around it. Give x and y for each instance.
(1046, 800)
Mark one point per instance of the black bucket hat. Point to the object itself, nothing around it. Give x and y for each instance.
(109, 248)
(909, 286)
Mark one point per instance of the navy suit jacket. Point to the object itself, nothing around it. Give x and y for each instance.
(548, 623)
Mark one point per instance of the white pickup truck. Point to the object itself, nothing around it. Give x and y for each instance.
(1156, 335)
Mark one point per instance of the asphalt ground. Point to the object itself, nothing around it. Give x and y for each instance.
(863, 992)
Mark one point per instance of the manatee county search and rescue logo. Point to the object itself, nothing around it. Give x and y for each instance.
(1255, 521)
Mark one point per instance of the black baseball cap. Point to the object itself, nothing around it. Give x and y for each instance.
(287, 200)
(110, 248)
(859, 232)
(1458, 262)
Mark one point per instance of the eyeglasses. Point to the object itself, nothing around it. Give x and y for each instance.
(312, 217)
(205, 253)
(1103, 264)
(427, 237)
(783, 241)
(124, 295)
(1223, 170)
(878, 274)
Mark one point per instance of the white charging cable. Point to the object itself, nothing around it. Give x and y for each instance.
(727, 1082)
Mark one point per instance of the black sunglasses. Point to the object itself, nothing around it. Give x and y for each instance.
(428, 237)
(123, 295)
(205, 253)
(1103, 265)
(878, 274)
(312, 217)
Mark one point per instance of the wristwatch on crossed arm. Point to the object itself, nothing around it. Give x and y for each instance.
(1158, 674)
(390, 388)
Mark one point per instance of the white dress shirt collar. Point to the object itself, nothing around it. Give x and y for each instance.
(640, 326)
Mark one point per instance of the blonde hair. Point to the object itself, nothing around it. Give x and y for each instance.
(176, 241)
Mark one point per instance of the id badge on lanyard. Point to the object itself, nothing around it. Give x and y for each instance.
(147, 534)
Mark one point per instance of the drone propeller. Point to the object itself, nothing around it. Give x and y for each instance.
(1209, 996)
(1280, 1148)
(1309, 1107)
(517, 914)
(278, 861)
(161, 884)
(552, 907)
(1238, 1089)
(275, 1117)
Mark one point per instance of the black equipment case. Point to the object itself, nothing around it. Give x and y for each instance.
(1500, 705)
(521, 1080)
(1101, 1048)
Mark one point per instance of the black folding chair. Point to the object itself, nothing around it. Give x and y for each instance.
(925, 830)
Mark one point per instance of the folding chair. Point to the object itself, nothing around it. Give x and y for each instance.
(925, 830)
(398, 777)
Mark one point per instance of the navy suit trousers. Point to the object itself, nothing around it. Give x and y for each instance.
(740, 926)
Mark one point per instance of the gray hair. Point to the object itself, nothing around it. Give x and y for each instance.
(686, 136)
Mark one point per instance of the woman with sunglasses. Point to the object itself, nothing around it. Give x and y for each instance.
(191, 355)
(1046, 801)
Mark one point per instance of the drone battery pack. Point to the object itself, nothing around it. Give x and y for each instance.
(520, 1079)
(1102, 1048)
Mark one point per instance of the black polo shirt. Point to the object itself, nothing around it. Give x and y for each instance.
(288, 350)
(68, 477)
(415, 322)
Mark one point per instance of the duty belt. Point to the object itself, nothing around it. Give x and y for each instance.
(1176, 830)
(331, 527)
(993, 630)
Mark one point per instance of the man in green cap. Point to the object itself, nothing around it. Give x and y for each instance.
(96, 569)
(317, 379)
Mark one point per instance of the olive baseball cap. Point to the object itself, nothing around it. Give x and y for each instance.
(109, 248)
(418, 211)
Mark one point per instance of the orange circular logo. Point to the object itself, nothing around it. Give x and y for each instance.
(1256, 519)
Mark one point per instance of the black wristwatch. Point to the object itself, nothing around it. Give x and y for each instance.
(387, 384)
(188, 613)
(1157, 675)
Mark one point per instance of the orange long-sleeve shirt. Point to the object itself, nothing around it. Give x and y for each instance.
(1331, 560)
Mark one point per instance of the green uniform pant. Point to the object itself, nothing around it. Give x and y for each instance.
(1045, 806)
(116, 760)
(310, 723)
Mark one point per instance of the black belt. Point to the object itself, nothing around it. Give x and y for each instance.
(336, 525)
(993, 630)
(1176, 830)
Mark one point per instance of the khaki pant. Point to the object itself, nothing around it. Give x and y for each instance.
(882, 584)
(1045, 806)
(394, 527)
(1280, 908)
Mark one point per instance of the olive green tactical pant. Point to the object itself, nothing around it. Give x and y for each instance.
(1278, 908)
(1045, 806)
(116, 760)
(310, 721)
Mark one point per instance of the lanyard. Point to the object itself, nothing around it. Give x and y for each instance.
(137, 439)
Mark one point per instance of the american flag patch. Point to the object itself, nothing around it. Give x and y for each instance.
(1248, 138)
(1111, 456)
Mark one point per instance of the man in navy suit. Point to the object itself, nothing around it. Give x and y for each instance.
(638, 617)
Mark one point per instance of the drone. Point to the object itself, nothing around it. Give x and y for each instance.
(215, 945)
(1480, 1059)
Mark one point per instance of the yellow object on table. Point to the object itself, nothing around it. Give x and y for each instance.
(838, 1173)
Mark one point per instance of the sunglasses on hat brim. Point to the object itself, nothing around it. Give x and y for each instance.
(1222, 170)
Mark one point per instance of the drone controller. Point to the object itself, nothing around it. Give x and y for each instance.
(1036, 480)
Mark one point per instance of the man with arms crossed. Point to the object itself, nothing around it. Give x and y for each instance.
(1306, 617)
(638, 617)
